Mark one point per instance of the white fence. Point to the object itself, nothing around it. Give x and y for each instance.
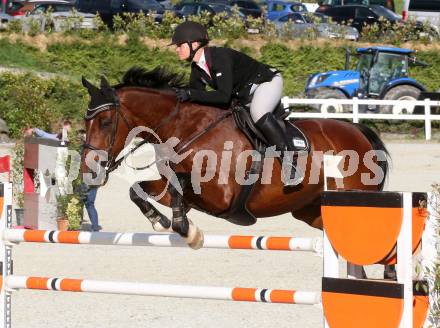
(355, 116)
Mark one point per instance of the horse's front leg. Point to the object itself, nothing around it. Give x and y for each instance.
(139, 193)
(181, 224)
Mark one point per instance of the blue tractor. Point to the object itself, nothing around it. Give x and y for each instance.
(381, 73)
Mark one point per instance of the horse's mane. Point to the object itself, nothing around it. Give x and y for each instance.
(157, 78)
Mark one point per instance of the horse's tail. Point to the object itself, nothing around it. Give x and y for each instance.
(377, 145)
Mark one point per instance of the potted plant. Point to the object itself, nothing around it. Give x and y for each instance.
(62, 219)
(17, 181)
(74, 212)
(69, 209)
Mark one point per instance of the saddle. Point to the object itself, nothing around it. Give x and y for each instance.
(239, 213)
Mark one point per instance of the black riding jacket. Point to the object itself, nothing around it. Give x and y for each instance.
(232, 75)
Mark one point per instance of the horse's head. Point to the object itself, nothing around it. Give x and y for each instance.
(105, 127)
(146, 101)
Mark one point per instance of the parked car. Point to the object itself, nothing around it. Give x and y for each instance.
(277, 9)
(425, 11)
(109, 8)
(302, 24)
(247, 7)
(166, 4)
(17, 8)
(21, 8)
(61, 15)
(360, 15)
(185, 9)
(331, 3)
(222, 8)
(4, 20)
(311, 6)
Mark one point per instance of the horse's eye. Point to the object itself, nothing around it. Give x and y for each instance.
(106, 123)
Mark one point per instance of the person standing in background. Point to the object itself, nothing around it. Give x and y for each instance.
(88, 196)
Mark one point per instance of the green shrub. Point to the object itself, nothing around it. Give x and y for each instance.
(17, 174)
(99, 24)
(74, 213)
(34, 28)
(30, 100)
(15, 26)
(387, 32)
(165, 28)
(26, 100)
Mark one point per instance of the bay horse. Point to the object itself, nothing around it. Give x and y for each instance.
(146, 98)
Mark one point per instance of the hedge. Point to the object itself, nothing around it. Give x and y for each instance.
(32, 100)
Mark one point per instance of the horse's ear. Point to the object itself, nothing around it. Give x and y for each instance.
(104, 83)
(89, 86)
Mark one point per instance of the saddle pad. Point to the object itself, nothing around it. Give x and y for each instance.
(299, 140)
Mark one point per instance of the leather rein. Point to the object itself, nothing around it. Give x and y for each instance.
(111, 164)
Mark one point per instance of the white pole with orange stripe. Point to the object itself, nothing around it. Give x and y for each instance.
(163, 240)
(5, 254)
(238, 294)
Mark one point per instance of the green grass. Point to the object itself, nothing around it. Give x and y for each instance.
(21, 55)
(29, 100)
(106, 57)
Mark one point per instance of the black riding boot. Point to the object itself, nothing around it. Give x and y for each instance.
(275, 136)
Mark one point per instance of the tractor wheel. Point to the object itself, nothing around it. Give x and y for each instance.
(332, 94)
(401, 92)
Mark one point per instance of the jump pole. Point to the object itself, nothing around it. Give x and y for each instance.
(238, 294)
(10, 282)
(163, 240)
(5, 254)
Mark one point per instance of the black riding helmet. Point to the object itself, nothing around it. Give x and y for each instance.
(189, 32)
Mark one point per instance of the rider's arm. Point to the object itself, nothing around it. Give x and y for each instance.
(43, 134)
(222, 95)
(195, 80)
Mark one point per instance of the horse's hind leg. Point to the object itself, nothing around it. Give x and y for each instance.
(159, 221)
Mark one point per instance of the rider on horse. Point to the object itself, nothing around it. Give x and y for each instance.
(232, 74)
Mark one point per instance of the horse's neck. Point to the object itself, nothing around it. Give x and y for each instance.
(193, 118)
(157, 110)
(147, 107)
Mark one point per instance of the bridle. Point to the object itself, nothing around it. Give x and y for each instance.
(111, 164)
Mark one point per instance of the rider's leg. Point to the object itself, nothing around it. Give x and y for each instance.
(266, 97)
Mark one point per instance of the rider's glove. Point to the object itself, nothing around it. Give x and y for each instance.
(183, 95)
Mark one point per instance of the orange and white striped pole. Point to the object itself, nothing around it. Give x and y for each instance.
(163, 240)
(238, 294)
(5, 254)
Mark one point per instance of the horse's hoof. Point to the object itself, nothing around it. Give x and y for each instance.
(160, 228)
(163, 225)
(195, 236)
